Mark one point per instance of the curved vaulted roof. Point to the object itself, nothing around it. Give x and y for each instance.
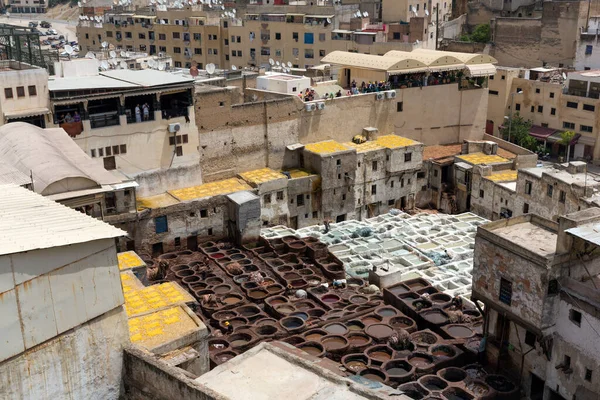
(369, 61)
(429, 59)
(465, 58)
(57, 164)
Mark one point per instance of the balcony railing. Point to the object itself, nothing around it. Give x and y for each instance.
(102, 120)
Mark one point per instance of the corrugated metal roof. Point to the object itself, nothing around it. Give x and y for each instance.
(88, 82)
(589, 233)
(29, 221)
(146, 77)
(11, 175)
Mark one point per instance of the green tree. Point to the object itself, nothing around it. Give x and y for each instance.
(565, 140)
(519, 129)
(481, 33)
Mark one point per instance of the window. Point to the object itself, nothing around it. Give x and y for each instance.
(399, 106)
(321, 37)
(421, 175)
(391, 202)
(505, 295)
(575, 317)
(519, 90)
(549, 190)
(315, 214)
(572, 104)
(295, 36)
(588, 375)
(321, 53)
(162, 36)
(567, 362)
(537, 90)
(128, 35)
(401, 183)
(540, 109)
(373, 189)
(589, 107)
(553, 287)
(32, 90)
(553, 111)
(338, 162)
(198, 36)
(179, 151)
(109, 163)
(407, 157)
(544, 125)
(343, 196)
(503, 77)
(518, 107)
(530, 338)
(309, 53)
(532, 108)
(108, 150)
(8, 93)
(93, 153)
(300, 200)
(568, 125)
(100, 152)
(588, 49)
(280, 195)
(277, 36)
(141, 36)
(481, 194)
(177, 50)
(551, 95)
(161, 225)
(267, 198)
(586, 128)
(210, 231)
(123, 148)
(197, 51)
(162, 48)
(374, 165)
(20, 91)
(525, 208)
(177, 35)
(115, 149)
(493, 92)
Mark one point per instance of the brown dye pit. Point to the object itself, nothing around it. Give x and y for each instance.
(400, 289)
(284, 310)
(336, 329)
(231, 299)
(380, 355)
(358, 340)
(356, 365)
(312, 348)
(370, 320)
(292, 322)
(459, 331)
(435, 317)
(420, 362)
(358, 299)
(330, 298)
(224, 356)
(315, 336)
(401, 322)
(373, 375)
(332, 343)
(433, 383)
(221, 289)
(386, 312)
(379, 331)
(442, 351)
(397, 371)
(355, 325)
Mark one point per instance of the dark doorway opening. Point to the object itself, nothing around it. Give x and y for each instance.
(537, 388)
(340, 218)
(192, 243)
(157, 249)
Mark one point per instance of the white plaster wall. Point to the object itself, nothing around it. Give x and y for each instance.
(147, 143)
(85, 363)
(13, 79)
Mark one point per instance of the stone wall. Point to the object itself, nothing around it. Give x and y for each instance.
(517, 41)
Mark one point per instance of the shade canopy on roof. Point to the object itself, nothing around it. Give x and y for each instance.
(56, 162)
(419, 60)
(373, 62)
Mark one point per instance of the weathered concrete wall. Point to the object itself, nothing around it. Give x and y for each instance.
(84, 363)
(453, 29)
(495, 258)
(159, 181)
(560, 31)
(516, 41)
(463, 47)
(147, 378)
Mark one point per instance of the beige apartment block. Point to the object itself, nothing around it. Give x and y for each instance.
(298, 35)
(553, 105)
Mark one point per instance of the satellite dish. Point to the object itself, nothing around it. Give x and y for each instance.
(123, 64)
(127, 55)
(234, 11)
(328, 20)
(365, 14)
(233, 68)
(564, 75)
(104, 65)
(112, 54)
(210, 68)
(69, 49)
(90, 55)
(79, 4)
(144, 65)
(104, 45)
(427, 12)
(161, 67)
(289, 64)
(122, 54)
(222, 7)
(271, 61)
(152, 63)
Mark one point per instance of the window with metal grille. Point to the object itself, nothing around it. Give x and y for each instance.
(505, 295)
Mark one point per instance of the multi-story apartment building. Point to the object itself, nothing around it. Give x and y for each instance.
(298, 35)
(27, 6)
(553, 104)
(538, 281)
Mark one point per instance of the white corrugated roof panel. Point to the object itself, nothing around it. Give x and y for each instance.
(88, 82)
(29, 221)
(11, 175)
(589, 232)
(147, 77)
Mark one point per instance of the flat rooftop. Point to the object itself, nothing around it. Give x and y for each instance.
(579, 179)
(451, 150)
(129, 260)
(278, 371)
(210, 189)
(482, 158)
(262, 175)
(533, 237)
(503, 176)
(326, 147)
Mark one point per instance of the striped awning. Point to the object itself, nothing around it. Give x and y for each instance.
(481, 70)
(26, 113)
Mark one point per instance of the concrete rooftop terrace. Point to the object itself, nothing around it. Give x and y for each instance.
(381, 142)
(526, 232)
(481, 158)
(450, 150)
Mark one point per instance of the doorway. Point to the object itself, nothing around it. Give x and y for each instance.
(402, 202)
(489, 127)
(537, 388)
(340, 218)
(157, 249)
(192, 243)
(502, 329)
(294, 222)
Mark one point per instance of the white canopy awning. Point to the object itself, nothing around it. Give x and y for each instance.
(481, 70)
